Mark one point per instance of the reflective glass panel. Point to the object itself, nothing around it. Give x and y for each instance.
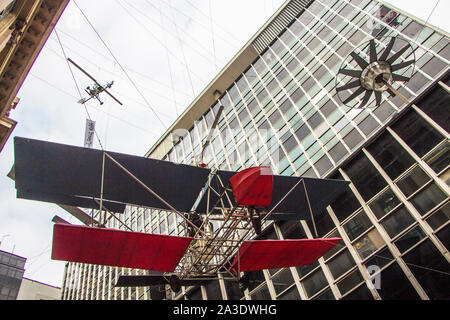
(368, 244)
(397, 221)
(428, 198)
(412, 181)
(384, 203)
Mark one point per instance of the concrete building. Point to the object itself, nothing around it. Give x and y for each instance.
(35, 290)
(11, 274)
(287, 82)
(25, 26)
(13, 286)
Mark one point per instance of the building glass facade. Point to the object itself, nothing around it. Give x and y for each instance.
(11, 274)
(284, 111)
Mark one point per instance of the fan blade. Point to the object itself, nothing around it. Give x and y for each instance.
(394, 57)
(365, 99)
(351, 73)
(113, 97)
(388, 49)
(397, 77)
(401, 65)
(378, 96)
(354, 95)
(360, 61)
(350, 85)
(373, 51)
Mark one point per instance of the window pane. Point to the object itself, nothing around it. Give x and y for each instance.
(439, 159)
(380, 259)
(282, 280)
(324, 223)
(428, 198)
(315, 282)
(365, 177)
(304, 270)
(291, 294)
(261, 294)
(292, 230)
(384, 203)
(233, 291)
(422, 262)
(345, 205)
(362, 293)
(341, 264)
(440, 217)
(397, 221)
(437, 106)
(412, 181)
(255, 279)
(336, 248)
(326, 295)
(395, 285)
(410, 239)
(350, 281)
(444, 236)
(213, 290)
(357, 225)
(390, 155)
(418, 134)
(368, 244)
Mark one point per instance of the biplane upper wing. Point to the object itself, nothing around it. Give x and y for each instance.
(289, 198)
(47, 171)
(68, 200)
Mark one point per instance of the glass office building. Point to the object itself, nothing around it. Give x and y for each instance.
(11, 274)
(281, 108)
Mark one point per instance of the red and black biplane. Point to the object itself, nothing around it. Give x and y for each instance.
(220, 212)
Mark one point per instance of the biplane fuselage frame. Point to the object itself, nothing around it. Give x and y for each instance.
(224, 228)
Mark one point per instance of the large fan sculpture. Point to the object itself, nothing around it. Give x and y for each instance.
(394, 61)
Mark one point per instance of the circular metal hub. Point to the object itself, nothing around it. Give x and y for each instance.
(376, 75)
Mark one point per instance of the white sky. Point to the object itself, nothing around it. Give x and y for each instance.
(143, 37)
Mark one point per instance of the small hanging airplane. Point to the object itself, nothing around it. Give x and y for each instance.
(97, 88)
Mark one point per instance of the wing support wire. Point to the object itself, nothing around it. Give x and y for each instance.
(210, 255)
(181, 215)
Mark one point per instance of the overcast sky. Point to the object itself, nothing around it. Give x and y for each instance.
(171, 50)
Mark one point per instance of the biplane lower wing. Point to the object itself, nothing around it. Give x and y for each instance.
(118, 248)
(274, 254)
(57, 169)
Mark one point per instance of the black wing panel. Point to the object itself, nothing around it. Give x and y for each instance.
(68, 200)
(56, 169)
(321, 193)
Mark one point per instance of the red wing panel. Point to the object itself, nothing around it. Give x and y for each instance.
(274, 254)
(253, 187)
(118, 248)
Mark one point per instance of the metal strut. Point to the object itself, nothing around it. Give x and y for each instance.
(154, 193)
